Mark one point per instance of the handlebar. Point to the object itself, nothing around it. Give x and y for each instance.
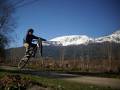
(47, 42)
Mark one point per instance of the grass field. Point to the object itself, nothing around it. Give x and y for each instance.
(57, 84)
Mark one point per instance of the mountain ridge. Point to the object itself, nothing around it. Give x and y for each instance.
(84, 39)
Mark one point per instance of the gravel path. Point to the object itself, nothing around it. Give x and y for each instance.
(100, 81)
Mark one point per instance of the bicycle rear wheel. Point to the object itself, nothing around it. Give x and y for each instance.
(23, 62)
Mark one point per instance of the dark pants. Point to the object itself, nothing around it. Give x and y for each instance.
(33, 45)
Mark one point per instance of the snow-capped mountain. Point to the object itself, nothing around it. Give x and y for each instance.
(72, 40)
(83, 39)
(114, 37)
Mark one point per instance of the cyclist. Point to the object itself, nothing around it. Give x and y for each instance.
(28, 42)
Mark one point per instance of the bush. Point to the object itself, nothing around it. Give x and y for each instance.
(16, 82)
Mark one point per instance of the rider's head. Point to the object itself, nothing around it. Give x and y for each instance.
(30, 31)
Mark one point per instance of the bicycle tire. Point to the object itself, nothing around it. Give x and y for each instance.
(23, 62)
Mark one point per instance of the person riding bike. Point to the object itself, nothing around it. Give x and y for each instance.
(28, 42)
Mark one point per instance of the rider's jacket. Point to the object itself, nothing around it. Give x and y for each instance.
(28, 39)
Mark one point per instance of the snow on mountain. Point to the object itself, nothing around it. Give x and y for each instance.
(83, 39)
(114, 37)
(55, 43)
(72, 40)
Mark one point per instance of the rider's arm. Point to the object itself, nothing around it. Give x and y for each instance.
(42, 39)
(35, 37)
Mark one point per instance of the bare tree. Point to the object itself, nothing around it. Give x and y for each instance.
(7, 24)
(62, 56)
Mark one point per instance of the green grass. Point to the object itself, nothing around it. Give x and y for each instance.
(65, 85)
(58, 84)
(78, 71)
(85, 73)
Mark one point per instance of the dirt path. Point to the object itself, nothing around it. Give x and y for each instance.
(100, 81)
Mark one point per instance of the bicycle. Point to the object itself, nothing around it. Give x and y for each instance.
(30, 51)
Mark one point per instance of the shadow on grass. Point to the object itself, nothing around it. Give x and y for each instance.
(55, 74)
(48, 74)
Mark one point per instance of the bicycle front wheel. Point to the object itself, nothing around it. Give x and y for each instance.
(23, 62)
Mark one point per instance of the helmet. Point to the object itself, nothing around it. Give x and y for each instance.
(30, 30)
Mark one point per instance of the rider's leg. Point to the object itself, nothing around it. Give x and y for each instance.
(27, 51)
(26, 45)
